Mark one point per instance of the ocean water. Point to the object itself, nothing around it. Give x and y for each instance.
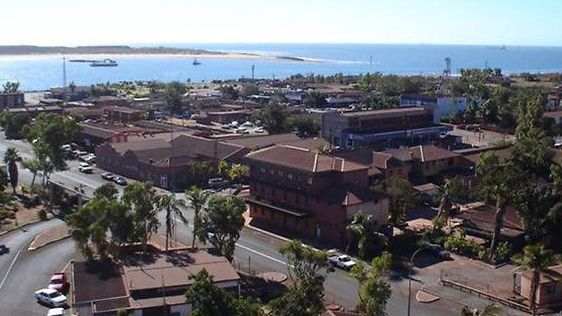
(43, 72)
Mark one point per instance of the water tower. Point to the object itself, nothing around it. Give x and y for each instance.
(447, 70)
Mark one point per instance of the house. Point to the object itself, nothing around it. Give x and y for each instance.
(432, 162)
(34, 111)
(549, 291)
(12, 100)
(227, 117)
(445, 105)
(122, 114)
(166, 163)
(145, 287)
(381, 128)
(304, 193)
(478, 220)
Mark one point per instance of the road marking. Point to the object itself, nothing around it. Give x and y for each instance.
(264, 255)
(10, 268)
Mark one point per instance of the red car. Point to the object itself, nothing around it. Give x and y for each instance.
(58, 281)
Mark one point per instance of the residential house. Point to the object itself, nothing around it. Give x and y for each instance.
(549, 291)
(166, 163)
(304, 193)
(145, 287)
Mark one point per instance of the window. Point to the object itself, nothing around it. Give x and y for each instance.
(164, 181)
(281, 173)
(262, 170)
(290, 176)
(309, 181)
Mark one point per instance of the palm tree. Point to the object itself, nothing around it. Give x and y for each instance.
(174, 209)
(197, 199)
(237, 171)
(537, 260)
(11, 157)
(362, 229)
(140, 197)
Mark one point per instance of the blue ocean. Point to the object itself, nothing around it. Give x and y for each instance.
(43, 72)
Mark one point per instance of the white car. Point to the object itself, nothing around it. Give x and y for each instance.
(85, 167)
(51, 297)
(340, 260)
(56, 312)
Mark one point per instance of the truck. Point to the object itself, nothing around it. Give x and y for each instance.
(339, 260)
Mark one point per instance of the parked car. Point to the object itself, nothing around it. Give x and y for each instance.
(217, 183)
(120, 180)
(340, 260)
(85, 167)
(50, 297)
(58, 281)
(4, 249)
(56, 312)
(91, 159)
(438, 251)
(108, 176)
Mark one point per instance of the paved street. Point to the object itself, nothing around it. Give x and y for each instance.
(30, 271)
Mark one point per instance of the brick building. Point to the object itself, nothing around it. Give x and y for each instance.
(310, 195)
(12, 100)
(166, 163)
(122, 114)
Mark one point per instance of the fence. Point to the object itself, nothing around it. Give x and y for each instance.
(481, 289)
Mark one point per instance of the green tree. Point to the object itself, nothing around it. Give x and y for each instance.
(13, 124)
(47, 133)
(403, 197)
(315, 100)
(537, 260)
(11, 158)
(308, 269)
(274, 119)
(34, 166)
(197, 198)
(173, 94)
(106, 190)
(11, 87)
(210, 300)
(237, 172)
(222, 222)
(368, 240)
(140, 197)
(174, 211)
(304, 126)
(249, 90)
(450, 194)
(228, 92)
(374, 290)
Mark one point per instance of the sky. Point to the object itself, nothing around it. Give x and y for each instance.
(103, 22)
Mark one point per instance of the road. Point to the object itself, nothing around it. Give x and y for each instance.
(30, 271)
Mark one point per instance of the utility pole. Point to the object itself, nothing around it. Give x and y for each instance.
(64, 76)
(253, 69)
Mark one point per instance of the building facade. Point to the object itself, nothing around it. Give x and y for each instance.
(306, 194)
(12, 100)
(381, 128)
(445, 105)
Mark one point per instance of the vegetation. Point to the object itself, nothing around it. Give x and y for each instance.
(140, 198)
(11, 158)
(305, 127)
(403, 197)
(274, 119)
(11, 87)
(374, 290)
(537, 260)
(307, 269)
(489, 310)
(173, 94)
(210, 300)
(222, 222)
(197, 199)
(173, 208)
(367, 239)
(13, 124)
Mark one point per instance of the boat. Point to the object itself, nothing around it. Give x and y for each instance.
(104, 63)
(196, 62)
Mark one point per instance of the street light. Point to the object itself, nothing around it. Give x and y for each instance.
(410, 277)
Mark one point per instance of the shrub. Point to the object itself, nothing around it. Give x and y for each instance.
(463, 246)
(42, 214)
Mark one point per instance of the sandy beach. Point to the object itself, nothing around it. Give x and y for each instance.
(219, 55)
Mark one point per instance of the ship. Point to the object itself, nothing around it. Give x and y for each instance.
(196, 62)
(104, 63)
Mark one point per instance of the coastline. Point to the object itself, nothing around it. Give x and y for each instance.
(218, 55)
